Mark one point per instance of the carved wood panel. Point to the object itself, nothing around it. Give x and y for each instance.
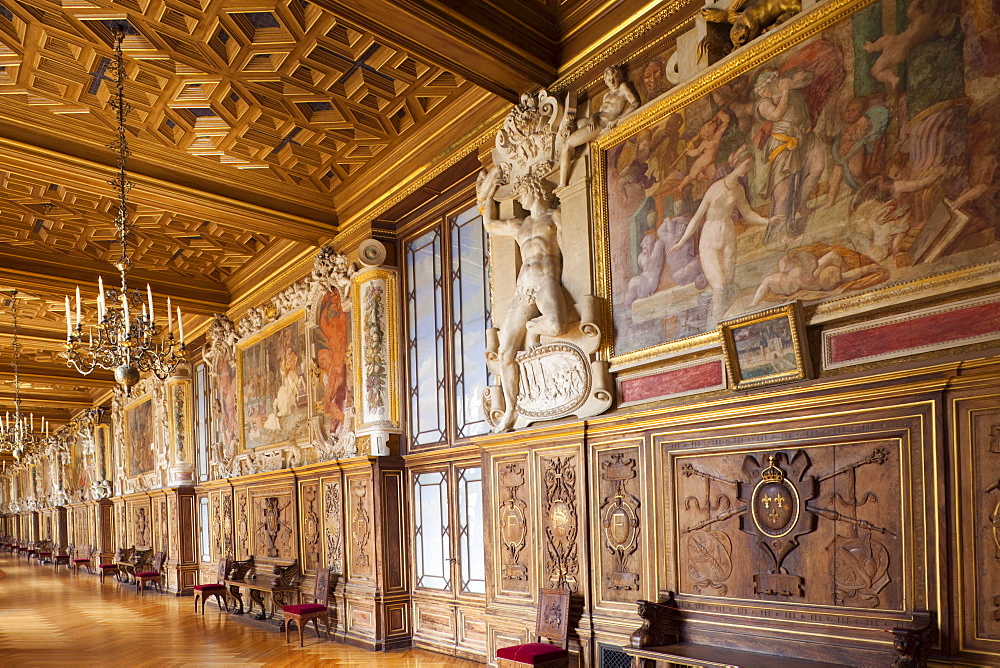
(819, 525)
(273, 523)
(561, 521)
(360, 522)
(333, 522)
(977, 545)
(312, 547)
(617, 523)
(512, 498)
(242, 524)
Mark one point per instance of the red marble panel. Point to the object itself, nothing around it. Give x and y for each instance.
(679, 380)
(920, 332)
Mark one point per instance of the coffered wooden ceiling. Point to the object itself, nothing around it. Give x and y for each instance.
(259, 128)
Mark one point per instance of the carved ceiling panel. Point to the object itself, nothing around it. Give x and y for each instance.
(281, 87)
(40, 218)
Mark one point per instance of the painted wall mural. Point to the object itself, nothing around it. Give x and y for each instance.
(860, 158)
(140, 436)
(273, 385)
(331, 341)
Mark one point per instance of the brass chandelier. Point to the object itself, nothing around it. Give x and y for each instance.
(17, 432)
(126, 338)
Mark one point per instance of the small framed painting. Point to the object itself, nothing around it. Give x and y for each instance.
(766, 347)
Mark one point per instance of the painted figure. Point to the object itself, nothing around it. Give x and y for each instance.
(717, 246)
(331, 358)
(923, 22)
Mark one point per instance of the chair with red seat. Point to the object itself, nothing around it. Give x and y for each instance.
(551, 624)
(111, 569)
(216, 589)
(152, 576)
(83, 557)
(61, 555)
(304, 613)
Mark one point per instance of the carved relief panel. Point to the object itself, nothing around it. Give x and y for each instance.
(242, 533)
(819, 525)
(273, 523)
(977, 544)
(513, 547)
(312, 545)
(333, 523)
(360, 528)
(561, 521)
(617, 523)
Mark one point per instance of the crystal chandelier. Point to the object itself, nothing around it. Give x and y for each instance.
(17, 432)
(126, 338)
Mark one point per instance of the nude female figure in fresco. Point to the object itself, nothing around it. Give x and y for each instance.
(717, 246)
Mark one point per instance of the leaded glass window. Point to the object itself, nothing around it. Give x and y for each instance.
(470, 530)
(205, 529)
(448, 310)
(432, 531)
(425, 348)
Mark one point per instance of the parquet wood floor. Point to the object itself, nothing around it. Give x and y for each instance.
(49, 617)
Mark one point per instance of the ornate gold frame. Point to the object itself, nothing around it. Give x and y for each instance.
(756, 54)
(792, 314)
(246, 342)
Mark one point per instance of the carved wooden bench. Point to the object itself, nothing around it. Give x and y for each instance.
(135, 559)
(266, 578)
(659, 640)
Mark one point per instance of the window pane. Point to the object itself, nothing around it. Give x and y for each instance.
(425, 341)
(432, 531)
(470, 319)
(201, 420)
(470, 538)
(206, 531)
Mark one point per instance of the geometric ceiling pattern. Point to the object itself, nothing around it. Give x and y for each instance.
(281, 87)
(39, 218)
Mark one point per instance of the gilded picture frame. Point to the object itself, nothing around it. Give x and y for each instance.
(272, 383)
(864, 244)
(766, 348)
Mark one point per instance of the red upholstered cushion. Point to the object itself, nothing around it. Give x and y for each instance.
(533, 653)
(114, 566)
(304, 608)
(207, 587)
(43, 553)
(81, 561)
(148, 574)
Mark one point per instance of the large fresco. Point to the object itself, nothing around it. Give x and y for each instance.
(140, 437)
(861, 158)
(331, 340)
(273, 385)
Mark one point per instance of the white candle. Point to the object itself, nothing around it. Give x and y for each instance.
(78, 306)
(180, 324)
(69, 328)
(101, 307)
(145, 316)
(170, 319)
(149, 295)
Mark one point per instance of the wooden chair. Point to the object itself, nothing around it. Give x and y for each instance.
(551, 624)
(152, 576)
(83, 558)
(303, 613)
(112, 568)
(216, 589)
(61, 555)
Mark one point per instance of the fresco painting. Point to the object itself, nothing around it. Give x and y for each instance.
(273, 384)
(861, 158)
(140, 437)
(224, 388)
(331, 342)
